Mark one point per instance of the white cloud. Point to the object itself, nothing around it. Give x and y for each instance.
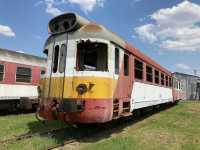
(146, 32)
(6, 31)
(182, 66)
(175, 28)
(85, 5)
(50, 9)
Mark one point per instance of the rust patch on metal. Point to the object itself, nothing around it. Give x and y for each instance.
(92, 27)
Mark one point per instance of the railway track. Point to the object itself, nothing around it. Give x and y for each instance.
(30, 135)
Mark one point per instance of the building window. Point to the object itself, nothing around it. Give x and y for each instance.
(138, 69)
(126, 65)
(63, 53)
(55, 60)
(149, 74)
(1, 72)
(23, 75)
(162, 79)
(166, 80)
(116, 61)
(170, 82)
(156, 77)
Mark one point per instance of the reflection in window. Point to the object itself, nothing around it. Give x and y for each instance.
(1, 72)
(23, 75)
(92, 56)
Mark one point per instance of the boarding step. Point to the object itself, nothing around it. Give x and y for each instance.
(115, 109)
(126, 114)
(126, 107)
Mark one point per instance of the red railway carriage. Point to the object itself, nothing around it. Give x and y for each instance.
(94, 76)
(19, 79)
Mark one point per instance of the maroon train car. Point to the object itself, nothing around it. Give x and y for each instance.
(19, 78)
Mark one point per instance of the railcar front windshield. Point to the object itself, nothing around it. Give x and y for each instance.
(92, 56)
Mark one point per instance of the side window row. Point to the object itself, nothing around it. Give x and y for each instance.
(159, 77)
(22, 74)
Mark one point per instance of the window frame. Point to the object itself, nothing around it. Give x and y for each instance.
(61, 69)
(118, 60)
(157, 76)
(162, 78)
(23, 81)
(3, 73)
(56, 59)
(138, 69)
(148, 73)
(126, 64)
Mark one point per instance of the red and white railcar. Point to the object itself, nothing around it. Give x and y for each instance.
(94, 76)
(19, 79)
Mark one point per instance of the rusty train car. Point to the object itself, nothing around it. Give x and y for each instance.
(19, 78)
(94, 76)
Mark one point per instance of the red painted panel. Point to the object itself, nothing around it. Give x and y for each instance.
(10, 73)
(96, 111)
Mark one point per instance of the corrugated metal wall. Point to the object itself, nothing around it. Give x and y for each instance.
(190, 85)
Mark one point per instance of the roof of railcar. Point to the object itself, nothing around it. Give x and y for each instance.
(99, 31)
(94, 30)
(21, 58)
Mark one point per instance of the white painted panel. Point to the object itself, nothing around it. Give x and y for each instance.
(8, 91)
(144, 95)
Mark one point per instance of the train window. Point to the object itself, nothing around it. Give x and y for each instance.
(55, 60)
(45, 52)
(126, 64)
(138, 69)
(149, 74)
(23, 75)
(162, 79)
(92, 56)
(63, 53)
(167, 80)
(156, 77)
(116, 61)
(170, 82)
(1, 72)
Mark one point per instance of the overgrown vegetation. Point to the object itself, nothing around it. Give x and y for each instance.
(175, 128)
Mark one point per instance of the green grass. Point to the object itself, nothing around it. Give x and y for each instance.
(175, 128)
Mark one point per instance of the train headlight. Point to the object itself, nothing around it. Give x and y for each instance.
(81, 88)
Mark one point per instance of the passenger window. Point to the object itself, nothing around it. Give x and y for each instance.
(116, 61)
(126, 65)
(23, 75)
(92, 56)
(162, 79)
(63, 53)
(157, 77)
(167, 80)
(1, 72)
(138, 69)
(170, 82)
(55, 61)
(149, 73)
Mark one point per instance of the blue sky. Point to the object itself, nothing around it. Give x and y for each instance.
(168, 30)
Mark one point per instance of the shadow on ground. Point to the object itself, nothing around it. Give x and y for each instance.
(91, 132)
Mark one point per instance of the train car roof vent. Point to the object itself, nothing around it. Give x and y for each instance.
(67, 22)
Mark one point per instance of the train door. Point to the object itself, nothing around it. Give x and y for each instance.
(57, 74)
(124, 72)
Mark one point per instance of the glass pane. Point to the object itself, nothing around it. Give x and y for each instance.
(23, 74)
(63, 53)
(55, 61)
